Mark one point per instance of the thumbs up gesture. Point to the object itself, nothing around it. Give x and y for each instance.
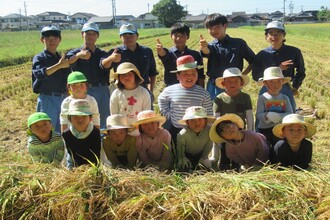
(64, 62)
(115, 56)
(84, 54)
(203, 45)
(160, 50)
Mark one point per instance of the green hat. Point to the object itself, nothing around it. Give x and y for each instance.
(76, 77)
(79, 107)
(37, 116)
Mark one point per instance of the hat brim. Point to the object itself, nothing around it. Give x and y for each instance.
(227, 117)
(116, 127)
(116, 75)
(160, 119)
(285, 80)
(219, 80)
(183, 121)
(127, 32)
(77, 81)
(187, 68)
(79, 113)
(90, 29)
(310, 129)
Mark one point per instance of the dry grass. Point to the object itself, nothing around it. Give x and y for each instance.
(43, 191)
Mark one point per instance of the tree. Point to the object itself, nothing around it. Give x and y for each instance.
(168, 12)
(323, 14)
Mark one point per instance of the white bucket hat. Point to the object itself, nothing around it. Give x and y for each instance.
(148, 116)
(273, 72)
(79, 107)
(118, 121)
(214, 136)
(195, 112)
(232, 72)
(294, 119)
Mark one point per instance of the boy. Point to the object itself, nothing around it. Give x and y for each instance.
(49, 76)
(141, 56)
(179, 35)
(118, 145)
(193, 141)
(295, 150)
(224, 52)
(82, 139)
(175, 99)
(232, 100)
(77, 87)
(86, 59)
(288, 58)
(44, 144)
(272, 106)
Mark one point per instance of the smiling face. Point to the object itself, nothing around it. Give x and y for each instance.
(187, 78)
(275, 37)
(42, 129)
(218, 31)
(51, 43)
(78, 90)
(90, 38)
(294, 133)
(128, 80)
(180, 40)
(129, 40)
(150, 129)
(80, 123)
(118, 135)
(197, 124)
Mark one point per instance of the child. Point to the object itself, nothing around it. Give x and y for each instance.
(129, 98)
(272, 106)
(224, 52)
(118, 145)
(288, 58)
(154, 142)
(77, 87)
(44, 144)
(294, 150)
(179, 35)
(82, 139)
(232, 100)
(86, 59)
(244, 147)
(193, 141)
(49, 76)
(175, 99)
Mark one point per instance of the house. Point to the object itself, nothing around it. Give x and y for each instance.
(14, 22)
(146, 20)
(104, 22)
(52, 18)
(195, 21)
(81, 17)
(276, 16)
(304, 16)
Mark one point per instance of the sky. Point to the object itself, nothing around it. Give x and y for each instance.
(138, 7)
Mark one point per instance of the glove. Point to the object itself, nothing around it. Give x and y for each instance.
(184, 164)
(205, 162)
(274, 117)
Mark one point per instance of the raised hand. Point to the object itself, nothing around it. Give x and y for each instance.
(286, 64)
(115, 56)
(160, 50)
(64, 62)
(84, 54)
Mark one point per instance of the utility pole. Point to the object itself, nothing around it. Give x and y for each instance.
(114, 12)
(20, 19)
(291, 8)
(27, 19)
(283, 19)
(148, 7)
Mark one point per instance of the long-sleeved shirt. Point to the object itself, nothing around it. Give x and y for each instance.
(175, 99)
(169, 63)
(286, 157)
(270, 57)
(155, 151)
(95, 75)
(46, 152)
(41, 82)
(230, 52)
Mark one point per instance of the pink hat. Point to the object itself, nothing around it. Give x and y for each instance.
(186, 62)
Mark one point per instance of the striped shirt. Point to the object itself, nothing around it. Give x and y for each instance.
(174, 100)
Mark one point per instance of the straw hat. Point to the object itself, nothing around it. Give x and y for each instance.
(118, 121)
(195, 112)
(186, 62)
(273, 72)
(127, 67)
(79, 107)
(294, 119)
(149, 116)
(232, 72)
(215, 137)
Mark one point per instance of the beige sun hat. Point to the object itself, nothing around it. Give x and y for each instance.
(79, 107)
(273, 72)
(231, 72)
(215, 137)
(147, 116)
(118, 121)
(186, 62)
(127, 67)
(294, 119)
(195, 112)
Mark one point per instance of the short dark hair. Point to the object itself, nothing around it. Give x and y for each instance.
(215, 19)
(180, 28)
(51, 33)
(220, 128)
(121, 86)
